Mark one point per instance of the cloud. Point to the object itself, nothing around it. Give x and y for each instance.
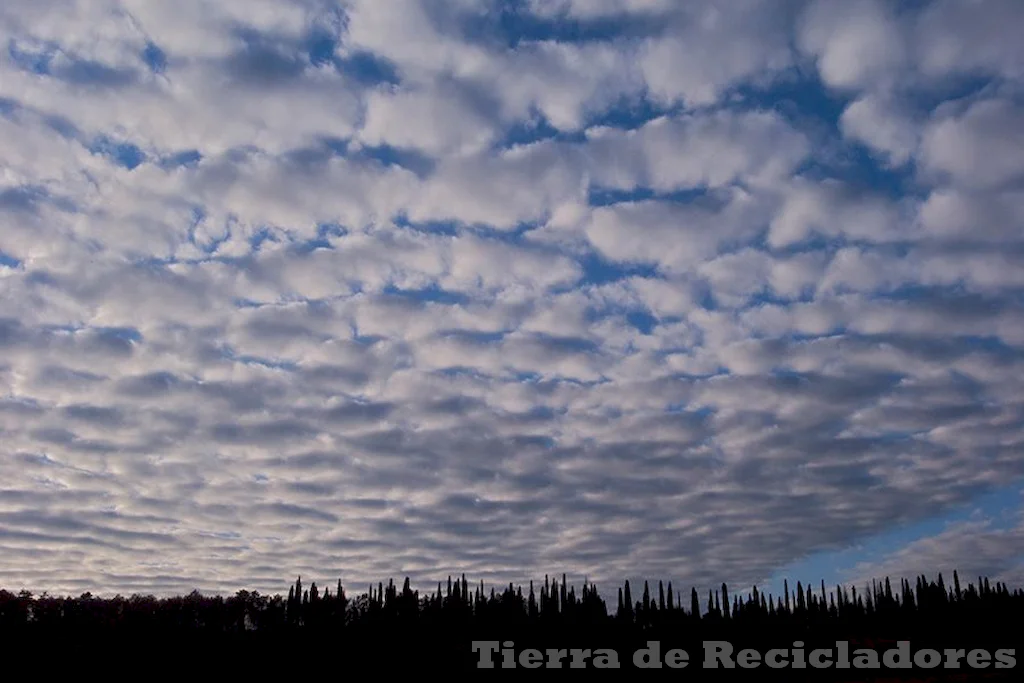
(954, 38)
(975, 148)
(601, 8)
(855, 43)
(434, 122)
(836, 209)
(363, 289)
(697, 151)
(878, 124)
(685, 63)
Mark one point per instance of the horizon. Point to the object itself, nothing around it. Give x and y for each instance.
(426, 591)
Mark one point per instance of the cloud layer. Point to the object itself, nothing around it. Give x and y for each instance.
(624, 288)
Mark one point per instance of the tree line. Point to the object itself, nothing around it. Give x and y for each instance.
(553, 602)
(444, 621)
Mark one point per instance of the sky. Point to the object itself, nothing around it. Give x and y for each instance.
(626, 289)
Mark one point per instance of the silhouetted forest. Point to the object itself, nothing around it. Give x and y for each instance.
(398, 627)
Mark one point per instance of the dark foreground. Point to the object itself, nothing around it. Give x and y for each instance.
(926, 632)
(421, 653)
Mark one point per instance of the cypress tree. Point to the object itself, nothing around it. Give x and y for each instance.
(342, 602)
(291, 611)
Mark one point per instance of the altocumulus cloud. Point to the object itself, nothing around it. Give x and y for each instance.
(627, 288)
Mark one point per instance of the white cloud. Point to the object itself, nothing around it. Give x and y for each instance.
(964, 213)
(434, 122)
(856, 43)
(696, 151)
(874, 121)
(835, 209)
(565, 83)
(591, 9)
(978, 148)
(688, 63)
(515, 186)
(954, 37)
(673, 237)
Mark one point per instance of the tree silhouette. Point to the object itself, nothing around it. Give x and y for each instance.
(436, 627)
